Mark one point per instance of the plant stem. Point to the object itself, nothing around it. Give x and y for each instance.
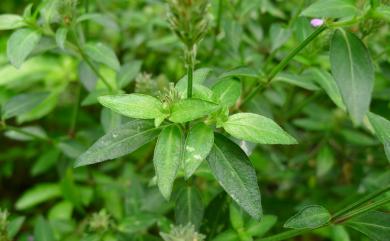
(89, 62)
(190, 62)
(75, 113)
(190, 70)
(363, 209)
(360, 202)
(262, 85)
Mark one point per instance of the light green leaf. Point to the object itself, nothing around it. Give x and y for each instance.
(279, 35)
(42, 230)
(313, 216)
(61, 211)
(227, 91)
(87, 76)
(10, 21)
(21, 44)
(328, 84)
(191, 109)
(134, 105)
(136, 223)
(382, 130)
(128, 72)
(189, 207)
(330, 9)
(14, 226)
(61, 37)
(199, 76)
(258, 229)
(102, 19)
(22, 103)
(235, 173)
(200, 92)
(299, 81)
(120, 141)
(198, 145)
(325, 161)
(37, 195)
(240, 72)
(374, 224)
(102, 54)
(236, 216)
(257, 129)
(167, 158)
(47, 160)
(339, 233)
(354, 73)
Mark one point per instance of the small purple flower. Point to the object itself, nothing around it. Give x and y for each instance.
(316, 22)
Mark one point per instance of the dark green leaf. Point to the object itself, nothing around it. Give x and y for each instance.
(233, 170)
(189, 207)
(191, 109)
(256, 128)
(167, 158)
(198, 144)
(374, 224)
(120, 141)
(313, 216)
(353, 71)
(21, 44)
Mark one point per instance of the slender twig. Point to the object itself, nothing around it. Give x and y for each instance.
(269, 77)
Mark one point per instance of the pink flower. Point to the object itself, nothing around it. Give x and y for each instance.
(316, 22)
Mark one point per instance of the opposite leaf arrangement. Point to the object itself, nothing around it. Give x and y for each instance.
(183, 146)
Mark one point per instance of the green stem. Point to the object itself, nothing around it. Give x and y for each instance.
(360, 202)
(190, 73)
(89, 62)
(75, 113)
(261, 86)
(363, 209)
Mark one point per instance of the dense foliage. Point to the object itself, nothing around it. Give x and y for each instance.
(190, 120)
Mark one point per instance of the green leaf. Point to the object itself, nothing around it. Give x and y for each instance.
(128, 72)
(313, 216)
(21, 44)
(42, 230)
(258, 229)
(87, 76)
(10, 21)
(199, 76)
(136, 223)
(328, 84)
(191, 109)
(279, 35)
(339, 233)
(227, 91)
(45, 162)
(22, 103)
(374, 224)
(235, 173)
(257, 129)
(382, 130)
(299, 81)
(14, 226)
(354, 73)
(37, 195)
(325, 161)
(61, 211)
(167, 158)
(330, 9)
(102, 19)
(236, 217)
(61, 37)
(198, 145)
(134, 105)
(102, 54)
(240, 72)
(119, 142)
(189, 207)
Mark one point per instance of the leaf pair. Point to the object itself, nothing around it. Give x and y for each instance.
(148, 107)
